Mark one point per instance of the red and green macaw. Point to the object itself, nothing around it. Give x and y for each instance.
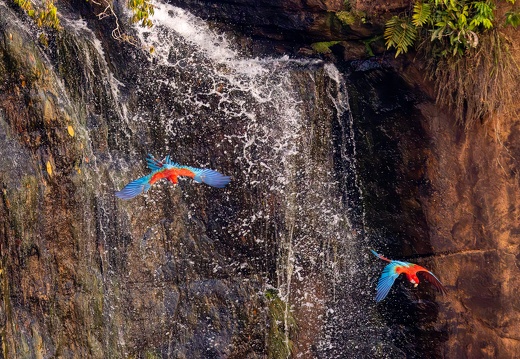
(395, 268)
(171, 171)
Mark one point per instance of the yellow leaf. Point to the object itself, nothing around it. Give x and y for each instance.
(71, 131)
(49, 168)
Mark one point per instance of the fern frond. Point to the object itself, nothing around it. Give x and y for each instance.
(421, 14)
(400, 33)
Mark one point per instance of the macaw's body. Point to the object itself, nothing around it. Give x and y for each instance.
(395, 268)
(166, 169)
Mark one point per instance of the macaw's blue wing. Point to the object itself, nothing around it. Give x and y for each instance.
(210, 177)
(153, 163)
(386, 281)
(135, 187)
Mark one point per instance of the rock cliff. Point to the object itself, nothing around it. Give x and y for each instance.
(325, 162)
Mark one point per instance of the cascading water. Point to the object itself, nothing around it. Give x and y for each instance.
(266, 267)
(278, 121)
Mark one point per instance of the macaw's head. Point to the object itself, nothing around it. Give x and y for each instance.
(413, 279)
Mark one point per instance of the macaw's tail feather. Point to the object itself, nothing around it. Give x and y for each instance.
(212, 178)
(380, 256)
(134, 188)
(153, 163)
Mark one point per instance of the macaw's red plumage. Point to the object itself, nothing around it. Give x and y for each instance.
(395, 268)
(166, 169)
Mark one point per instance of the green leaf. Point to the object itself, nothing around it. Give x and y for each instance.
(437, 34)
(487, 23)
(400, 33)
(512, 18)
(421, 14)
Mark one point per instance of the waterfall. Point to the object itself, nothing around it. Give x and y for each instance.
(284, 111)
(268, 266)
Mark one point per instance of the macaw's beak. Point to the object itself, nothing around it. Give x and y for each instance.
(415, 284)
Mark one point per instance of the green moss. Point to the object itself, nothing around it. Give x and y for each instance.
(368, 43)
(151, 354)
(323, 47)
(25, 204)
(346, 17)
(6, 307)
(351, 17)
(278, 343)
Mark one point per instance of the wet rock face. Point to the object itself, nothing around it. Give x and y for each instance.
(296, 22)
(273, 19)
(180, 273)
(81, 274)
(391, 148)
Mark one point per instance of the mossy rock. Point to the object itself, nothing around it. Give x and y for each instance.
(324, 46)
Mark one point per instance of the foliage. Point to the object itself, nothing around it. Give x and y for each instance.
(400, 33)
(454, 26)
(323, 47)
(469, 59)
(421, 14)
(513, 18)
(46, 14)
(142, 10)
(479, 84)
(351, 17)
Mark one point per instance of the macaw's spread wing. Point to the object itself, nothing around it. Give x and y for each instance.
(134, 188)
(386, 280)
(212, 178)
(430, 277)
(207, 176)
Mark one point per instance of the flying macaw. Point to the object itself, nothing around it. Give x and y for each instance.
(171, 171)
(395, 268)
